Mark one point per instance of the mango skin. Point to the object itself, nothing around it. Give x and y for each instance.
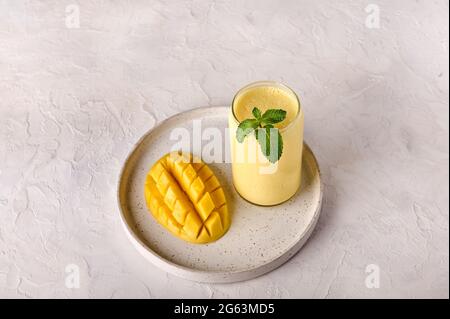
(184, 196)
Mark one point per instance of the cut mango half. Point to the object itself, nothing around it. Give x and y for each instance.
(185, 197)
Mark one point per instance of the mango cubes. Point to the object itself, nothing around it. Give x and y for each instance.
(185, 197)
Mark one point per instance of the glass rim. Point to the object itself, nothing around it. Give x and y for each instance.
(269, 83)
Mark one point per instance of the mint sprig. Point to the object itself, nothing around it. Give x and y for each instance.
(268, 137)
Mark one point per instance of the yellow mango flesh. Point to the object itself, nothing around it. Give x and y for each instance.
(185, 196)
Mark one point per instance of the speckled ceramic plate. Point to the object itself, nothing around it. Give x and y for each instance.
(259, 240)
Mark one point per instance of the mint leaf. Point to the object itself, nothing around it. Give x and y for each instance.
(256, 113)
(269, 138)
(245, 128)
(271, 142)
(273, 116)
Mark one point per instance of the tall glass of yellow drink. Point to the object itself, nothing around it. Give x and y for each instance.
(255, 178)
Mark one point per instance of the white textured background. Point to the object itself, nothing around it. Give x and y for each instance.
(73, 101)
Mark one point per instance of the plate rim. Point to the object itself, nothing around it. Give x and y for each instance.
(212, 276)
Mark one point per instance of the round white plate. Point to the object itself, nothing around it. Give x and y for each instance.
(259, 240)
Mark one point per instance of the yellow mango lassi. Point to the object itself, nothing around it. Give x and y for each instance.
(254, 177)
